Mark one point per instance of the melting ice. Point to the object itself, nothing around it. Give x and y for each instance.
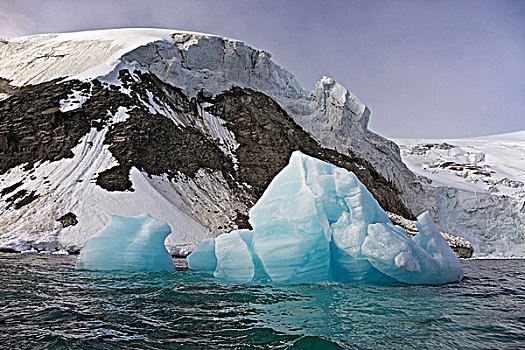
(128, 243)
(318, 223)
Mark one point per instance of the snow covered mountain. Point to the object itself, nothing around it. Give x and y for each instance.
(191, 128)
(494, 164)
(483, 178)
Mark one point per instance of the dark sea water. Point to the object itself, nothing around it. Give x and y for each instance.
(45, 303)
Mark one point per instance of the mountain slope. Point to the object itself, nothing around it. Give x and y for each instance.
(483, 179)
(188, 127)
(493, 163)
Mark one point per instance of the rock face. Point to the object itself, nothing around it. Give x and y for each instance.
(460, 246)
(69, 219)
(186, 126)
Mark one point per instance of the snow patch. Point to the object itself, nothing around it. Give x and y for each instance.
(74, 100)
(216, 127)
(492, 164)
(120, 116)
(79, 55)
(184, 40)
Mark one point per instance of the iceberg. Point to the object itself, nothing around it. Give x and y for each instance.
(318, 223)
(128, 243)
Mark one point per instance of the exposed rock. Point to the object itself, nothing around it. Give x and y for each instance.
(180, 264)
(69, 219)
(267, 136)
(408, 225)
(11, 188)
(20, 199)
(28, 198)
(459, 245)
(32, 128)
(8, 250)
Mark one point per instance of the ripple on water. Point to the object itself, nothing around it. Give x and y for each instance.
(45, 303)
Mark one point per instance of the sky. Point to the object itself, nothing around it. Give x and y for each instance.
(426, 69)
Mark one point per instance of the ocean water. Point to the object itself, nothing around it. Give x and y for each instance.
(45, 303)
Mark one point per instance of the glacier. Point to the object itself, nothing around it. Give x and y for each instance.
(318, 223)
(128, 243)
(485, 173)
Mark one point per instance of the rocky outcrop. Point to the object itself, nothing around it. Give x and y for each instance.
(459, 245)
(33, 128)
(69, 219)
(263, 132)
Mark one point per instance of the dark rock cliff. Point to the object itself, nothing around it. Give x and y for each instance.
(33, 129)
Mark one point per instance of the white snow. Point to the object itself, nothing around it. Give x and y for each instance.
(77, 55)
(480, 197)
(74, 100)
(162, 109)
(60, 252)
(500, 159)
(215, 126)
(184, 41)
(120, 116)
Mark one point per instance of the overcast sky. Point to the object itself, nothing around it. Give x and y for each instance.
(429, 69)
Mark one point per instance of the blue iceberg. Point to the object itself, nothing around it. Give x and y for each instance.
(318, 223)
(128, 243)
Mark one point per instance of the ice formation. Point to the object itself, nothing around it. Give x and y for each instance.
(316, 223)
(128, 243)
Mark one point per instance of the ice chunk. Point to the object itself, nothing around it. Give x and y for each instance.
(60, 252)
(204, 258)
(234, 259)
(288, 215)
(317, 222)
(426, 259)
(128, 243)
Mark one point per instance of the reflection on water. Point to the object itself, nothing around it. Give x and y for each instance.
(45, 303)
